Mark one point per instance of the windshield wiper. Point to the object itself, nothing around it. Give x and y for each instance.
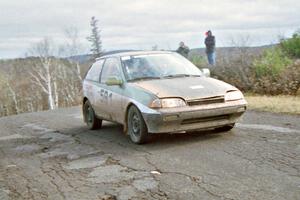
(180, 75)
(144, 78)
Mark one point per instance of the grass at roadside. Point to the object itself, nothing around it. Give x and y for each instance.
(277, 104)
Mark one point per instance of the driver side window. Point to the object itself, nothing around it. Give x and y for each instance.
(94, 72)
(111, 68)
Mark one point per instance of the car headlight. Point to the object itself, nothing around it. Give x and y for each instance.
(167, 103)
(233, 95)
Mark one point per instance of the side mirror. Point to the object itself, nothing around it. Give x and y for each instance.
(113, 81)
(206, 72)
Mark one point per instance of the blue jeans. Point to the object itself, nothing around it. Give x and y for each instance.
(211, 57)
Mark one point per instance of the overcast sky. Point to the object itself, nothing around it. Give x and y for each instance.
(141, 24)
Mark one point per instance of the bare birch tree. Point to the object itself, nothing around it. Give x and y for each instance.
(41, 72)
(51, 81)
(73, 47)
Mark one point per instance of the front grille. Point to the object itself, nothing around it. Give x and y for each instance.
(204, 101)
(204, 119)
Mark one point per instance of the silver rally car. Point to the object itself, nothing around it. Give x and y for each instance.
(157, 92)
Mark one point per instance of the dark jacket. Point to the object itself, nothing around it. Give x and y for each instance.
(210, 44)
(184, 51)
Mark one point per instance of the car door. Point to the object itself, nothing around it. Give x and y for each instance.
(92, 86)
(112, 96)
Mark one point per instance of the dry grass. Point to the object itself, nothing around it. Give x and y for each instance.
(277, 104)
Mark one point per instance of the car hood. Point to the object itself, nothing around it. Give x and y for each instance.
(187, 88)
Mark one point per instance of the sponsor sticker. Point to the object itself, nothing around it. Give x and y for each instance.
(194, 87)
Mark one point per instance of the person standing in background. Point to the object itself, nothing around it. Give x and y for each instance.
(183, 49)
(210, 43)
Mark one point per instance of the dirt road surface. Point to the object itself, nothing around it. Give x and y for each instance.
(52, 155)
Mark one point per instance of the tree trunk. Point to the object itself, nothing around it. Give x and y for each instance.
(14, 98)
(49, 87)
(55, 93)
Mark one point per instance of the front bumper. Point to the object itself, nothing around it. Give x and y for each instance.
(194, 117)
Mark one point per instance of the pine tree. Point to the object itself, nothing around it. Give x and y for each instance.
(95, 38)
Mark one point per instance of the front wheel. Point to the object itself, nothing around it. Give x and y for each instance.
(137, 128)
(90, 118)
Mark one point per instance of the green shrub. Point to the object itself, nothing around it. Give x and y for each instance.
(198, 60)
(287, 82)
(271, 63)
(291, 46)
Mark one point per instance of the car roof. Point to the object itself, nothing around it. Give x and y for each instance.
(130, 53)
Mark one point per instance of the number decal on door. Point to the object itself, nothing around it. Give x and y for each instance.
(105, 95)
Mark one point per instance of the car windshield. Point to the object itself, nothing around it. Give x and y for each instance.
(156, 66)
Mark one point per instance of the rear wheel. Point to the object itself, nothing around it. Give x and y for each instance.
(225, 128)
(137, 128)
(90, 118)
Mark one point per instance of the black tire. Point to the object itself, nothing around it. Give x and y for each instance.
(137, 129)
(225, 128)
(90, 118)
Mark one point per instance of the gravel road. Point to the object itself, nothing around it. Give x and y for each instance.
(52, 155)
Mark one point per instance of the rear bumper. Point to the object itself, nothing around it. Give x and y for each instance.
(194, 117)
